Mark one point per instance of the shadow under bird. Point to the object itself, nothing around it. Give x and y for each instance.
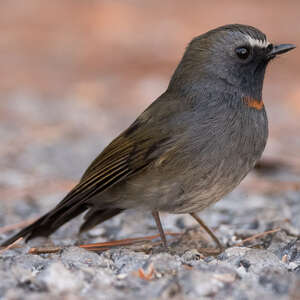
(190, 147)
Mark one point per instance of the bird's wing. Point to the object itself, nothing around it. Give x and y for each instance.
(134, 150)
(128, 154)
(147, 140)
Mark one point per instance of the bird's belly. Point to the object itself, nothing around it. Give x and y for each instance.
(204, 190)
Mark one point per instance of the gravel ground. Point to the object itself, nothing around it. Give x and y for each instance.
(267, 267)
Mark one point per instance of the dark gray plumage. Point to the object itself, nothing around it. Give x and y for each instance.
(191, 146)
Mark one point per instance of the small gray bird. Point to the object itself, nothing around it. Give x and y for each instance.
(190, 147)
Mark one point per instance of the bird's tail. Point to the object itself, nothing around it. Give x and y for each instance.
(46, 224)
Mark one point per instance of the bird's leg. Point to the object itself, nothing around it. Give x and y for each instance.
(211, 234)
(155, 215)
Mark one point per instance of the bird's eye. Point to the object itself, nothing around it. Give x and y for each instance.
(269, 47)
(242, 52)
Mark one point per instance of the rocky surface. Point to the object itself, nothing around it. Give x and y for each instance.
(267, 267)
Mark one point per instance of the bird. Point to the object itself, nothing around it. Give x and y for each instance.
(193, 145)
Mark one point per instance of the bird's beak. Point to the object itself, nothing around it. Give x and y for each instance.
(279, 49)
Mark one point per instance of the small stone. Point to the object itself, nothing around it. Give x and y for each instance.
(59, 279)
(96, 232)
(225, 277)
(293, 266)
(191, 255)
(122, 276)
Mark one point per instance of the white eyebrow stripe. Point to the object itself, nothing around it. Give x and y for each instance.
(259, 43)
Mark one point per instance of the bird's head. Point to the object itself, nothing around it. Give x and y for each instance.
(232, 57)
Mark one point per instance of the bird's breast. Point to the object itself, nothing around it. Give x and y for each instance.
(205, 161)
(214, 159)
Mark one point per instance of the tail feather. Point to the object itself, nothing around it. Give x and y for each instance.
(51, 221)
(45, 225)
(25, 232)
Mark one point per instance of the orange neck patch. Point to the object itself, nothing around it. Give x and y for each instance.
(253, 103)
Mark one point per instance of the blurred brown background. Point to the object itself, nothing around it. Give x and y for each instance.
(76, 73)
